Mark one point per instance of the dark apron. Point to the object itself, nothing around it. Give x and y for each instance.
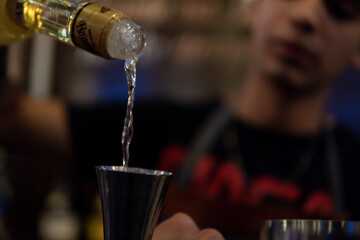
(216, 124)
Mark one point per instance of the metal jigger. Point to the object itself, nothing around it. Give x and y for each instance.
(310, 230)
(131, 200)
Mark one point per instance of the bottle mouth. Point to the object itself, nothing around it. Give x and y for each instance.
(126, 40)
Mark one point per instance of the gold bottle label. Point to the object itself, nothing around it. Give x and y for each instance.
(91, 26)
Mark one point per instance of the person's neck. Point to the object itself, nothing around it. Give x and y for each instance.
(262, 104)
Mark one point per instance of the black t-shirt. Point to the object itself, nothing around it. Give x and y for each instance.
(236, 161)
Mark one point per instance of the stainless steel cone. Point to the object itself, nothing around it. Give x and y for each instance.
(131, 200)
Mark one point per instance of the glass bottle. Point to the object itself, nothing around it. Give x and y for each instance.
(95, 28)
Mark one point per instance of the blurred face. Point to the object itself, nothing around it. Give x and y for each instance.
(304, 44)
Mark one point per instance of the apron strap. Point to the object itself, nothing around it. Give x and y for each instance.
(334, 169)
(203, 141)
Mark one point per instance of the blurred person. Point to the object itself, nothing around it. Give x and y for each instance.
(269, 145)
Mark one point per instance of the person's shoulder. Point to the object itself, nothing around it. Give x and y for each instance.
(348, 143)
(171, 111)
(170, 106)
(172, 118)
(347, 139)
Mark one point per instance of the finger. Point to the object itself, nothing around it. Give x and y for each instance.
(179, 226)
(209, 234)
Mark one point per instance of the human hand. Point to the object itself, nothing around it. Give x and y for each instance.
(182, 227)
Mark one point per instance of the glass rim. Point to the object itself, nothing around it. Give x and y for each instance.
(115, 168)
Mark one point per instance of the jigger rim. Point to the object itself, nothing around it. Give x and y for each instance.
(134, 170)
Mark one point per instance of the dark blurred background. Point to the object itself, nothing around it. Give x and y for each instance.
(195, 50)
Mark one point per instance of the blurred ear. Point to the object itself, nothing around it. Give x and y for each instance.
(355, 62)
